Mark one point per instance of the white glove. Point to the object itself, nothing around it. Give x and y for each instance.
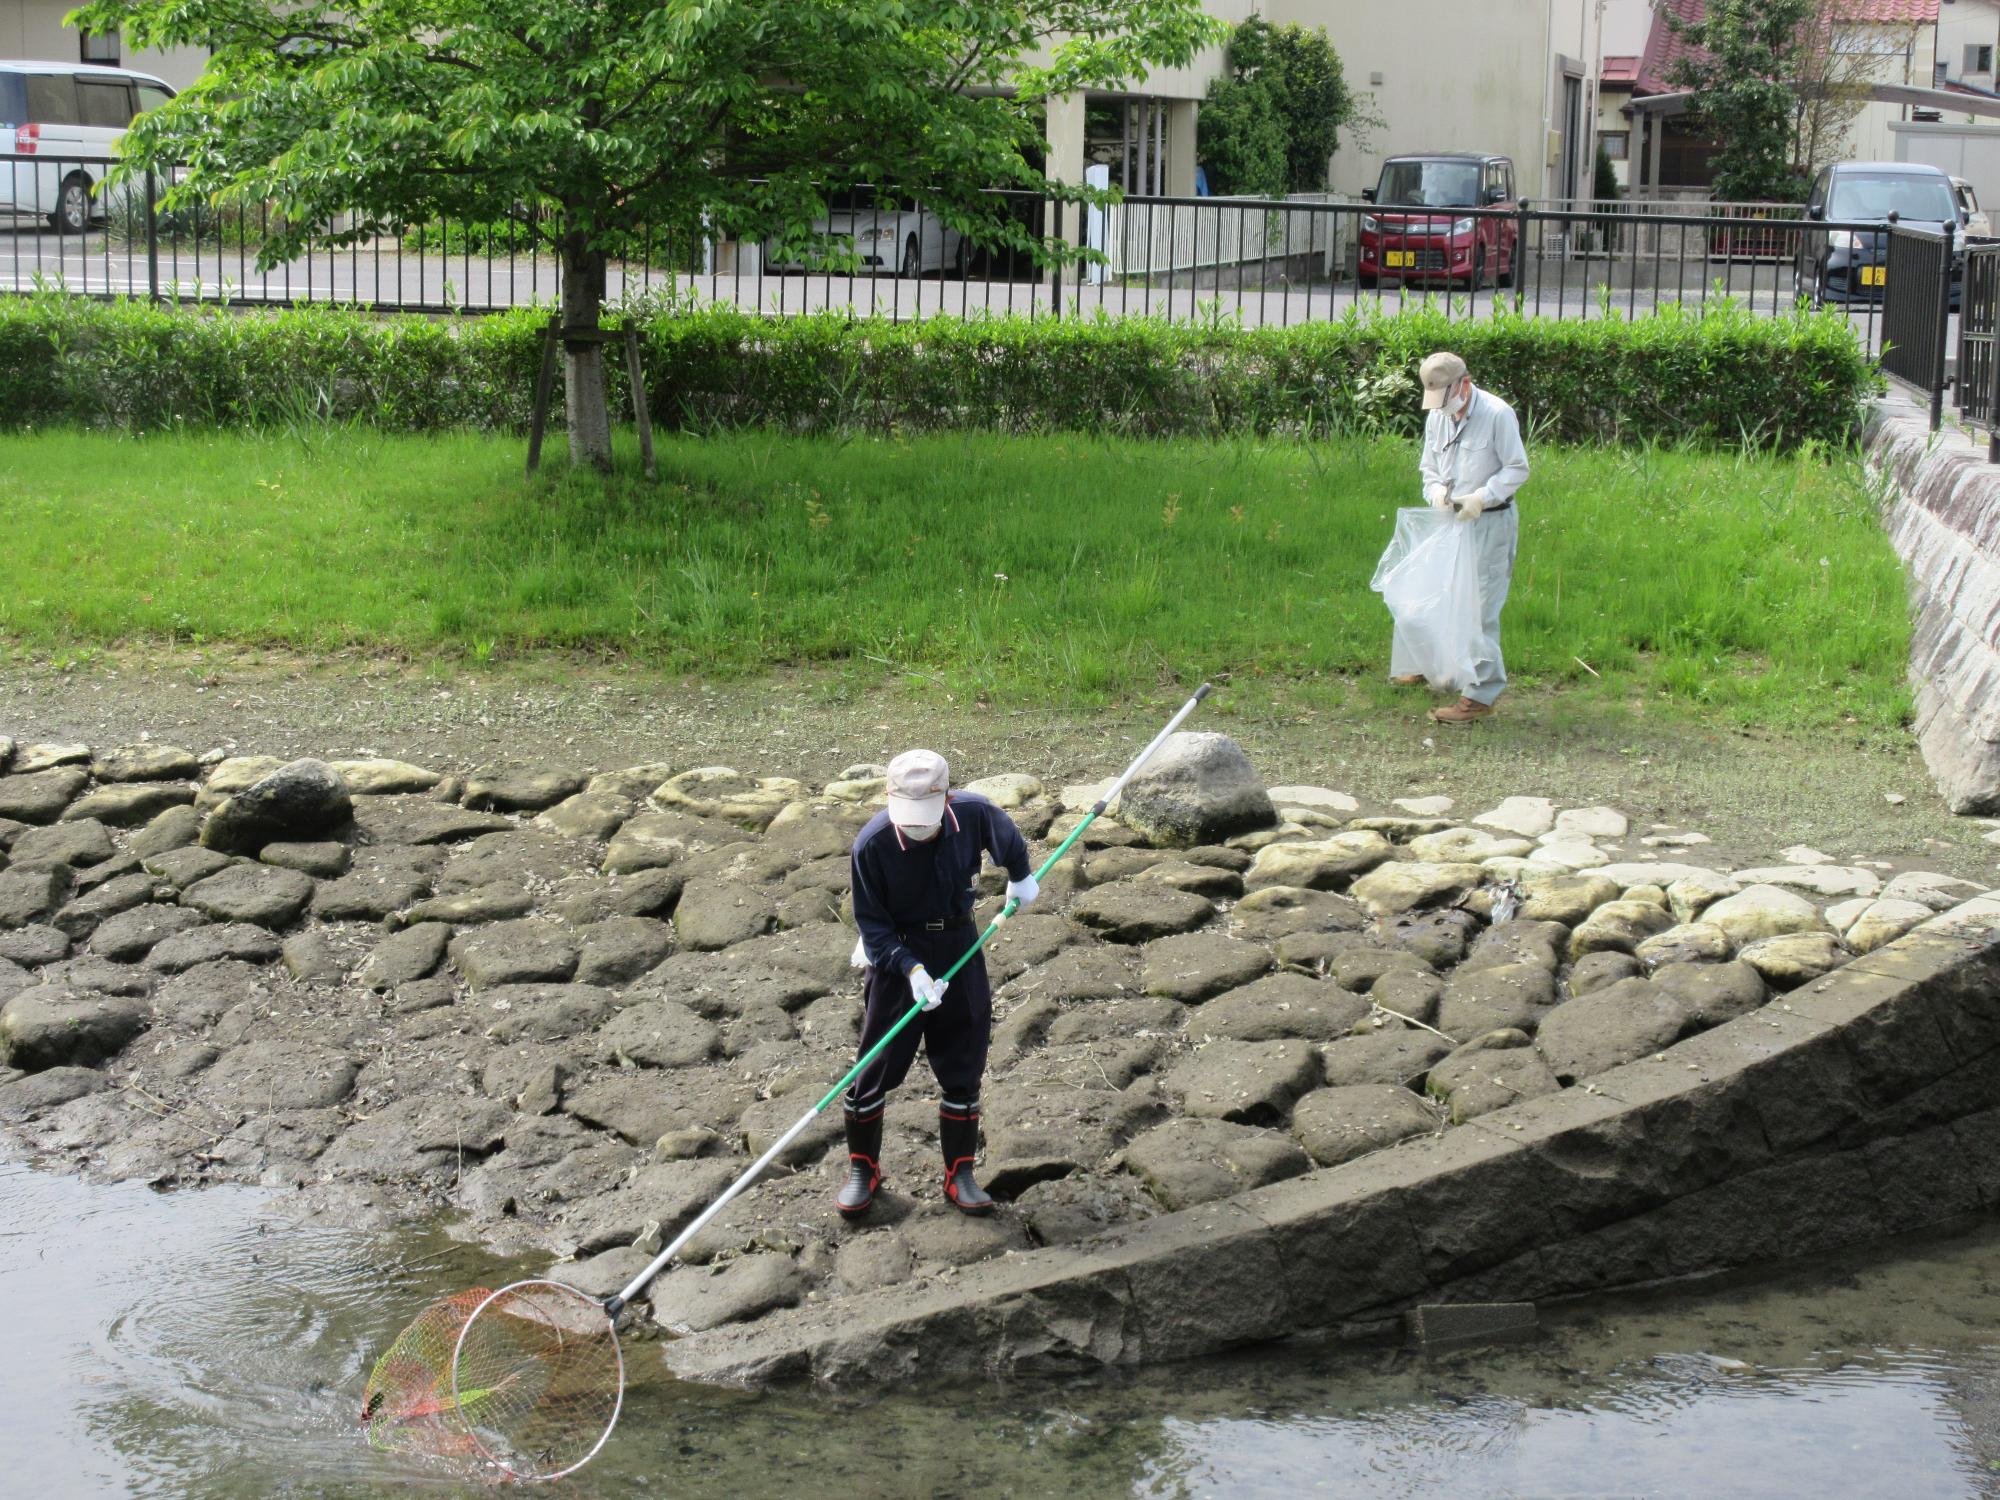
(858, 959)
(1024, 890)
(1471, 506)
(1438, 496)
(927, 991)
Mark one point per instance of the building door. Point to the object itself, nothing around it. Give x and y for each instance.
(1572, 137)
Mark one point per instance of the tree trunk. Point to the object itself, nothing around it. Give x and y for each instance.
(583, 364)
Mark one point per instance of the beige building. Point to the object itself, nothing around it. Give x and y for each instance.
(33, 31)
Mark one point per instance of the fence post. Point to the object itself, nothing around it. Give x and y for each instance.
(1520, 253)
(1992, 359)
(1943, 328)
(152, 241)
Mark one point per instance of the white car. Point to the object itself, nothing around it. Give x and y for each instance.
(59, 122)
(908, 241)
(1970, 219)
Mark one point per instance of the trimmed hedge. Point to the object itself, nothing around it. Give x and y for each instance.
(1719, 376)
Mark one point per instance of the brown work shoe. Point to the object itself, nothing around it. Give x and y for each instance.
(1410, 679)
(1462, 712)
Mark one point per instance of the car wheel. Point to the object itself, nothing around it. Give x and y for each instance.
(72, 215)
(961, 261)
(1367, 281)
(913, 261)
(1478, 280)
(1503, 274)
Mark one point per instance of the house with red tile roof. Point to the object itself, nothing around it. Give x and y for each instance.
(1861, 46)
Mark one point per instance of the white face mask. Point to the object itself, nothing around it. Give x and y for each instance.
(919, 835)
(1456, 405)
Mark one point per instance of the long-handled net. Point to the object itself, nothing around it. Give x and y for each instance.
(530, 1379)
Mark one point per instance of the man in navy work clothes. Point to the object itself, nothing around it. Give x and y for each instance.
(913, 867)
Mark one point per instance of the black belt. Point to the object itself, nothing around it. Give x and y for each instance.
(942, 924)
(1496, 509)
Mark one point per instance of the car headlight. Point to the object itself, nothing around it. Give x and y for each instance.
(1370, 224)
(881, 232)
(1844, 239)
(1462, 226)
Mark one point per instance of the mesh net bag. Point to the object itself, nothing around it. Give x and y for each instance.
(529, 1378)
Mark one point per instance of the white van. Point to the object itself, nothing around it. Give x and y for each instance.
(58, 121)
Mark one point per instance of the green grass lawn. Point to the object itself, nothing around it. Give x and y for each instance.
(1014, 570)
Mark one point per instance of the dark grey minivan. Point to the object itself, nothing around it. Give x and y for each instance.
(1849, 262)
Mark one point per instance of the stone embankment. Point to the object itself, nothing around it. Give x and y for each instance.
(1310, 1065)
(1944, 519)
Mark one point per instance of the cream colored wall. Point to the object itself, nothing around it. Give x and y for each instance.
(1454, 77)
(1869, 138)
(33, 31)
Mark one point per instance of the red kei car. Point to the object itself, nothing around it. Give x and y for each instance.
(1441, 217)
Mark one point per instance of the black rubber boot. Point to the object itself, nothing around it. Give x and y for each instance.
(864, 1161)
(958, 1134)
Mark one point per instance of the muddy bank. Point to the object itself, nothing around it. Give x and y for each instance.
(572, 1005)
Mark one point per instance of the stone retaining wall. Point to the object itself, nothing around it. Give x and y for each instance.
(1944, 520)
(1866, 1104)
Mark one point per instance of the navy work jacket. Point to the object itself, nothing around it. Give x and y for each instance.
(900, 883)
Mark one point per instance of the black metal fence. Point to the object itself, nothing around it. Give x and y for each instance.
(1978, 375)
(1918, 269)
(1259, 262)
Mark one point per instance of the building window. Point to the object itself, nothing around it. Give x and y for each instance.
(101, 48)
(1617, 143)
(1979, 58)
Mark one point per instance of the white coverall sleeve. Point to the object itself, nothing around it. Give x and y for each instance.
(1430, 461)
(1512, 456)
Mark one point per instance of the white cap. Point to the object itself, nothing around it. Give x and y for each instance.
(918, 780)
(1439, 373)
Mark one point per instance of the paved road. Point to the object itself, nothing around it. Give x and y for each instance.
(378, 275)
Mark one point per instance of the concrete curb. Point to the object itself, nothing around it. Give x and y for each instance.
(1944, 523)
(1863, 1105)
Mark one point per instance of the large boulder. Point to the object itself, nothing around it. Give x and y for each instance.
(1128, 912)
(521, 952)
(501, 788)
(1338, 1124)
(1400, 1055)
(298, 801)
(146, 763)
(1489, 1072)
(1194, 966)
(1253, 1083)
(1790, 959)
(1713, 992)
(129, 804)
(1280, 1006)
(1393, 889)
(1614, 1025)
(52, 1025)
(74, 844)
(1506, 996)
(40, 797)
(1619, 927)
(695, 1298)
(1318, 864)
(1762, 911)
(262, 895)
(1197, 789)
(1187, 1162)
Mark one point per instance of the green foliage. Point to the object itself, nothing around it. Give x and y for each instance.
(1270, 125)
(1721, 376)
(1053, 571)
(596, 125)
(1604, 182)
(1743, 61)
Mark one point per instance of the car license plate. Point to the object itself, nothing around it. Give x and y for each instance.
(1874, 275)
(1398, 258)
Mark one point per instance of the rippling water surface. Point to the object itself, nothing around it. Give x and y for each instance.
(202, 1344)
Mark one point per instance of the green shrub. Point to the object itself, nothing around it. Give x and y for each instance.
(1718, 376)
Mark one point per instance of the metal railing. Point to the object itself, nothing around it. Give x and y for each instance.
(1270, 262)
(1917, 269)
(1978, 379)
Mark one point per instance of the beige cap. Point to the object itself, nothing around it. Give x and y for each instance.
(1439, 374)
(918, 780)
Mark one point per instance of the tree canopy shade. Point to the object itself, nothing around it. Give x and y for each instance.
(1743, 61)
(598, 123)
(1271, 125)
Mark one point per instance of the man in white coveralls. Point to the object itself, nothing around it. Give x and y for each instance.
(1472, 465)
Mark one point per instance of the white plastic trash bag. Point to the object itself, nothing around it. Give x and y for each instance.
(1429, 578)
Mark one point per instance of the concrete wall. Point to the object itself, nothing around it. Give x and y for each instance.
(1944, 519)
(1863, 1106)
(33, 31)
(1968, 151)
(1963, 23)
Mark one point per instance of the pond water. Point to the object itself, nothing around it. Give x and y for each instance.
(203, 1344)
